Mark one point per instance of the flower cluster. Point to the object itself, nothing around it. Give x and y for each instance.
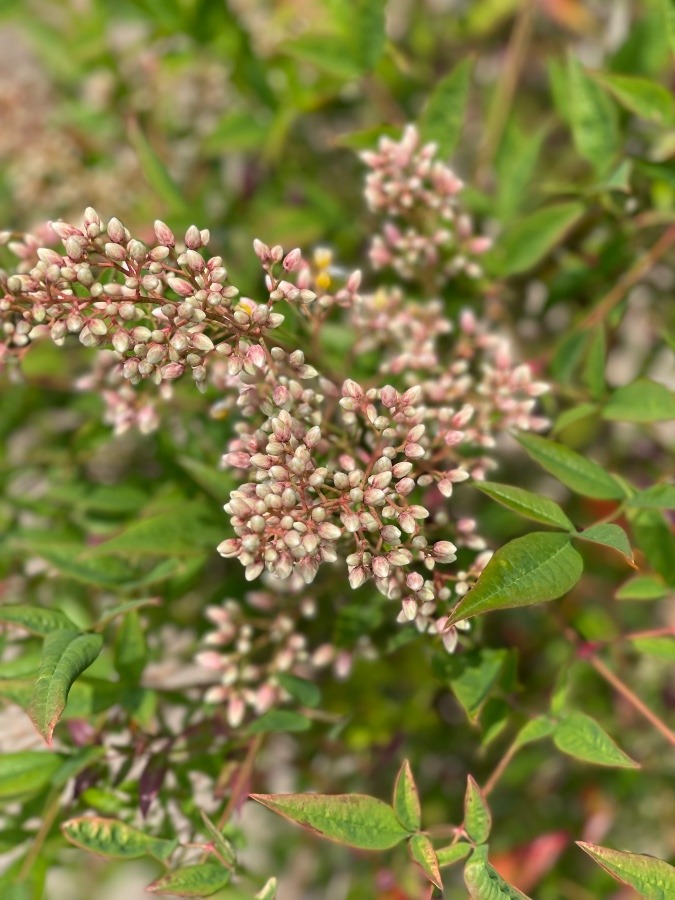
(253, 645)
(154, 305)
(424, 229)
(334, 468)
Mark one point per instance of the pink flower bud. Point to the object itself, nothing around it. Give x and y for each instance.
(116, 231)
(354, 281)
(444, 551)
(352, 389)
(380, 566)
(164, 235)
(193, 238)
(409, 607)
(256, 355)
(172, 370)
(181, 287)
(201, 342)
(329, 532)
(389, 396)
(292, 259)
(414, 451)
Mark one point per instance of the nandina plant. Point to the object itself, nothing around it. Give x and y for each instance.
(281, 523)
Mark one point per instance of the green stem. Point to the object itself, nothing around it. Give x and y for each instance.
(50, 813)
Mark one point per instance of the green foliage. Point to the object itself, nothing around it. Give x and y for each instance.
(580, 736)
(354, 819)
(483, 882)
(530, 569)
(406, 799)
(201, 880)
(477, 818)
(530, 505)
(65, 655)
(443, 115)
(651, 877)
(110, 837)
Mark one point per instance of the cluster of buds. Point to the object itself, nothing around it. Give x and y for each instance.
(252, 645)
(163, 309)
(424, 231)
(309, 500)
(334, 470)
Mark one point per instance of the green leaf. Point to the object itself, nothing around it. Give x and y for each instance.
(668, 13)
(580, 736)
(28, 770)
(579, 473)
(330, 53)
(451, 854)
(477, 817)
(645, 98)
(65, 655)
(354, 819)
(71, 562)
(535, 730)
(115, 839)
(36, 619)
(483, 882)
(642, 587)
(217, 484)
(593, 372)
(443, 115)
(530, 569)
(660, 647)
(200, 880)
(364, 27)
(121, 609)
(406, 799)
(574, 415)
(156, 173)
(223, 847)
(471, 676)
(494, 718)
(641, 401)
(130, 648)
(279, 720)
(515, 166)
(654, 536)
(168, 534)
(533, 506)
(658, 496)
(306, 692)
(423, 854)
(652, 878)
(531, 238)
(609, 535)
(592, 118)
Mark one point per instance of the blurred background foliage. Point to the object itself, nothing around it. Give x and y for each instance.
(245, 117)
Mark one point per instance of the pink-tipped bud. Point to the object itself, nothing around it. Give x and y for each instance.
(193, 238)
(116, 231)
(292, 259)
(164, 234)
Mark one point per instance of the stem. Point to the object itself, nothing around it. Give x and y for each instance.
(632, 698)
(500, 768)
(502, 99)
(242, 777)
(631, 277)
(652, 632)
(50, 813)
